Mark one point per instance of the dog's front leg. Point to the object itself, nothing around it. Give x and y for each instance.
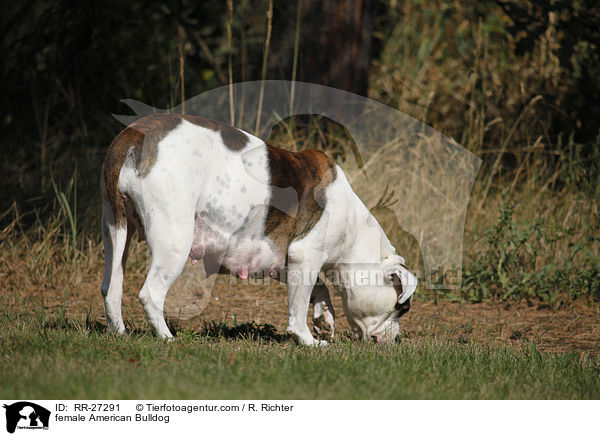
(301, 278)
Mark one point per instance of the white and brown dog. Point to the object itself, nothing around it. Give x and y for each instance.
(198, 188)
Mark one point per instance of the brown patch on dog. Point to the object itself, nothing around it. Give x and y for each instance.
(309, 173)
(133, 218)
(144, 135)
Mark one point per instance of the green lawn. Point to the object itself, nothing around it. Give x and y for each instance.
(72, 362)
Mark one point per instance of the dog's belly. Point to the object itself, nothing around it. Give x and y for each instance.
(237, 246)
(241, 255)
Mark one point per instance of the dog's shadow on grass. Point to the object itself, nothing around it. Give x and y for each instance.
(245, 331)
(210, 330)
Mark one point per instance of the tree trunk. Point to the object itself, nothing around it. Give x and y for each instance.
(336, 43)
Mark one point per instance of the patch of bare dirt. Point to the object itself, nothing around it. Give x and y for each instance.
(572, 329)
(575, 328)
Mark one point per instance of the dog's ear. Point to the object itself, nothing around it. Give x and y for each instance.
(406, 284)
(400, 277)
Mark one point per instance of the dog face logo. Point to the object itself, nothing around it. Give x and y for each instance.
(26, 415)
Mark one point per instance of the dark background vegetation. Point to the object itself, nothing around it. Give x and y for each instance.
(516, 82)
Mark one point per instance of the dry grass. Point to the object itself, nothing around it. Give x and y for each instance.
(71, 289)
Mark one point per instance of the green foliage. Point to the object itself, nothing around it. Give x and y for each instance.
(572, 31)
(521, 261)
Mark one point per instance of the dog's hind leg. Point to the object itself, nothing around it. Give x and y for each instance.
(116, 242)
(170, 239)
(323, 312)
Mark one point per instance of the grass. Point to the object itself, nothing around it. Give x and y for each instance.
(72, 359)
